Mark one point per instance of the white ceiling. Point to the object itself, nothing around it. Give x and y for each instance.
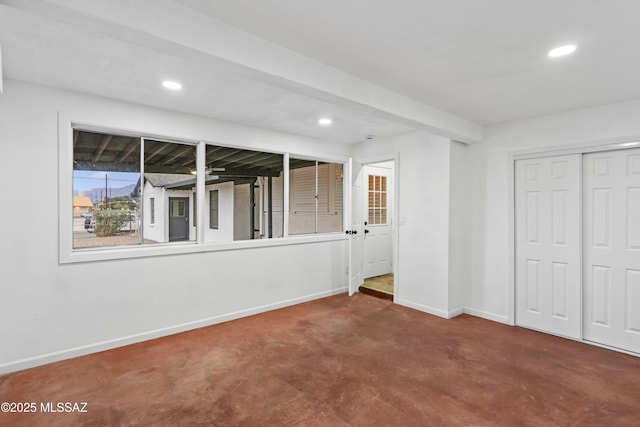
(482, 61)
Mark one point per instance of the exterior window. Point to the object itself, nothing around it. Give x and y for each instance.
(315, 197)
(177, 208)
(106, 176)
(121, 181)
(117, 179)
(249, 194)
(213, 209)
(377, 201)
(169, 178)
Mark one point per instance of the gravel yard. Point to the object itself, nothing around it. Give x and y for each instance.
(118, 240)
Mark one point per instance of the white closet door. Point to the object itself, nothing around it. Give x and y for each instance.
(548, 290)
(612, 249)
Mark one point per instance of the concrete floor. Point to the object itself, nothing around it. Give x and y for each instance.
(339, 361)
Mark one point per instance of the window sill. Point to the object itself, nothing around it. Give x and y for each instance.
(180, 248)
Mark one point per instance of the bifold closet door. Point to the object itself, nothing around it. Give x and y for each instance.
(612, 248)
(548, 244)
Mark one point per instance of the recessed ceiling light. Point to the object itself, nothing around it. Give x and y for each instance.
(562, 50)
(171, 85)
(325, 121)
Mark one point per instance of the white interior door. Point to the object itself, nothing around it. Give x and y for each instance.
(355, 230)
(377, 247)
(548, 290)
(612, 248)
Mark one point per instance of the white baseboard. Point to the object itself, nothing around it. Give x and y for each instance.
(57, 356)
(431, 310)
(455, 312)
(486, 315)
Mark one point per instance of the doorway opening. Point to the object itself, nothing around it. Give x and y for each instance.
(178, 219)
(377, 243)
(379, 286)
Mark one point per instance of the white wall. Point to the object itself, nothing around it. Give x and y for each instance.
(459, 229)
(51, 311)
(224, 232)
(489, 168)
(423, 198)
(277, 189)
(158, 231)
(241, 212)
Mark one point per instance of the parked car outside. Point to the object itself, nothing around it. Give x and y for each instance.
(90, 224)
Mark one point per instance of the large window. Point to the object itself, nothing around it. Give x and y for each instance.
(170, 180)
(315, 197)
(248, 194)
(115, 202)
(132, 190)
(106, 178)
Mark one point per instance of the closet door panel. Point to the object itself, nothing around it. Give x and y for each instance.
(548, 244)
(612, 248)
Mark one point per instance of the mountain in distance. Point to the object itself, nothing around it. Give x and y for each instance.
(96, 194)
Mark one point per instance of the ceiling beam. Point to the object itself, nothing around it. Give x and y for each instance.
(159, 149)
(88, 165)
(252, 172)
(188, 34)
(126, 153)
(103, 145)
(238, 157)
(179, 153)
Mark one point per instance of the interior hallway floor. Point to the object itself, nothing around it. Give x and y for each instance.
(379, 286)
(339, 361)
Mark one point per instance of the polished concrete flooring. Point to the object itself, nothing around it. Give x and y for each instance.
(339, 361)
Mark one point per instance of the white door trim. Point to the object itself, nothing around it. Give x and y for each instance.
(576, 149)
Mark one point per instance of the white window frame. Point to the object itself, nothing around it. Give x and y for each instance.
(67, 122)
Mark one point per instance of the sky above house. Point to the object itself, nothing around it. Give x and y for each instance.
(89, 180)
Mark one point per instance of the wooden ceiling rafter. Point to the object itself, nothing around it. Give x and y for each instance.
(126, 153)
(117, 153)
(106, 139)
(177, 153)
(159, 148)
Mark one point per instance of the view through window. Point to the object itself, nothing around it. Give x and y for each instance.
(106, 176)
(315, 197)
(139, 191)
